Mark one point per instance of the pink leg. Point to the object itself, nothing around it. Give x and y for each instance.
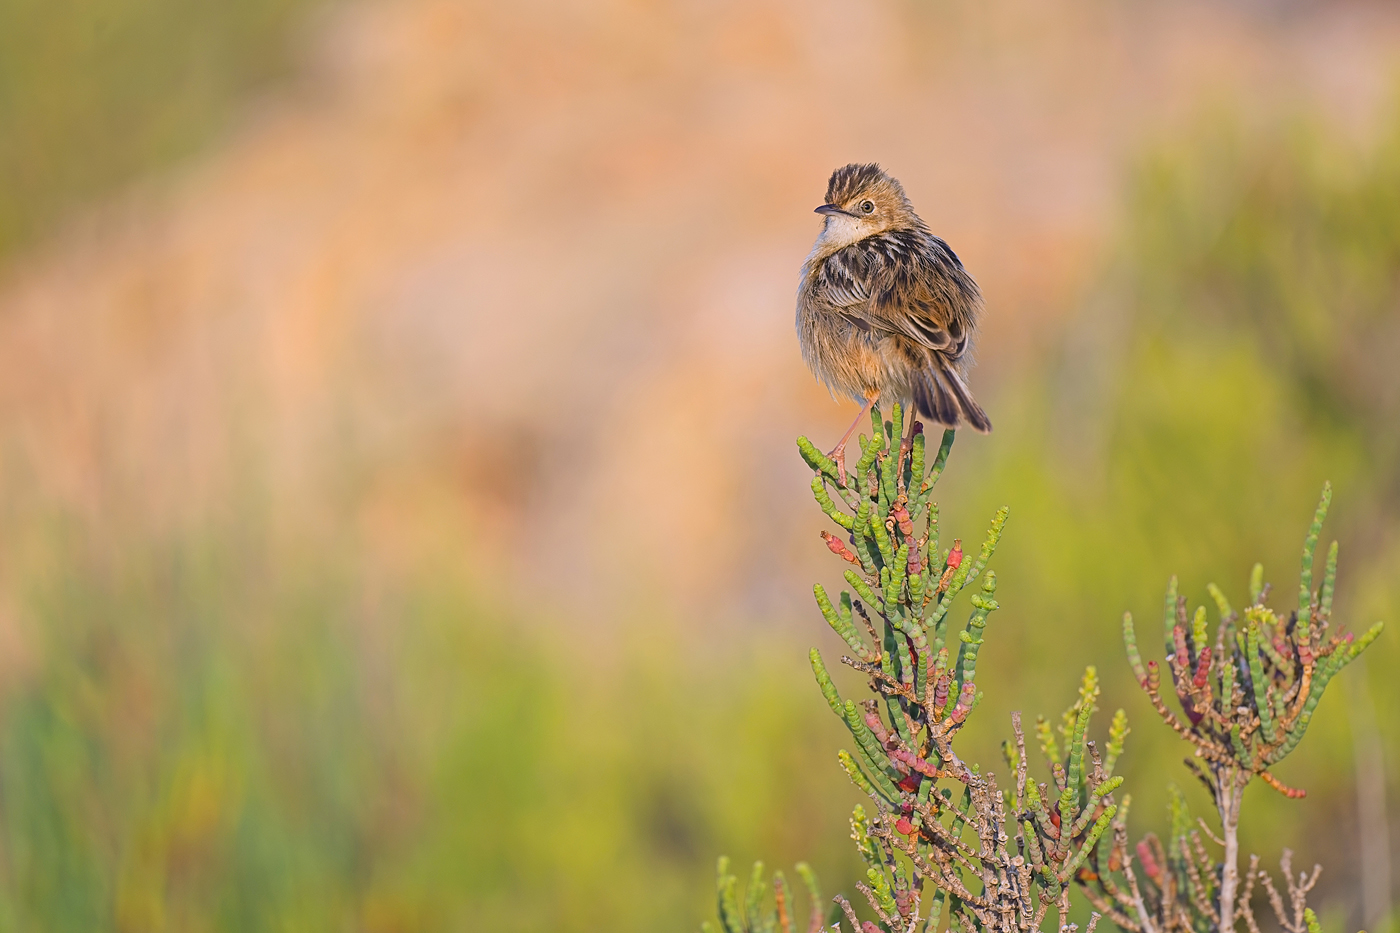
(839, 454)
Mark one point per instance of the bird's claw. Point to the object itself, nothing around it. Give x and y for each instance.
(839, 455)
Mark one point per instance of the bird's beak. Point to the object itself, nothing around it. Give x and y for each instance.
(831, 209)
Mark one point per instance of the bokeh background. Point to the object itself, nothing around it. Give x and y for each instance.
(400, 522)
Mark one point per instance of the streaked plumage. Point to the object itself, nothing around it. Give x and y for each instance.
(885, 308)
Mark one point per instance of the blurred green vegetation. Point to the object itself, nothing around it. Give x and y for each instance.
(213, 741)
(1237, 352)
(140, 81)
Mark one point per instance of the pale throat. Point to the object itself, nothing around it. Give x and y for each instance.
(841, 230)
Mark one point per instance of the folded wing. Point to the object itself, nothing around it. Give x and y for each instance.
(911, 285)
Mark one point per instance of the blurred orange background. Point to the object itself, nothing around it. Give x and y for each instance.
(402, 526)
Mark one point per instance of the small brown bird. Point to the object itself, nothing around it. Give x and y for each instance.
(885, 308)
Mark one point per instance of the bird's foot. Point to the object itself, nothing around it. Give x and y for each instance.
(839, 455)
(907, 443)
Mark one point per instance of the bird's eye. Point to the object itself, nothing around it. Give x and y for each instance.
(867, 207)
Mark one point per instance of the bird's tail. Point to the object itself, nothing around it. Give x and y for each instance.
(942, 397)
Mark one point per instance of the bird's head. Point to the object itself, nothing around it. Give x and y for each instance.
(862, 201)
